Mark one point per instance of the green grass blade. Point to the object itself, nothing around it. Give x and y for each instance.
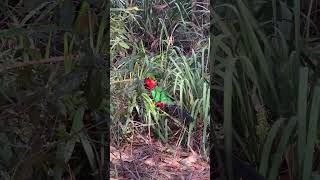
(88, 150)
(100, 33)
(312, 134)
(247, 21)
(264, 163)
(297, 24)
(47, 54)
(302, 108)
(309, 19)
(227, 110)
(277, 158)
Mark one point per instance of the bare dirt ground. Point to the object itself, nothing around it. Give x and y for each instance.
(139, 160)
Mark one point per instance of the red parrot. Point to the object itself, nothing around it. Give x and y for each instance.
(164, 101)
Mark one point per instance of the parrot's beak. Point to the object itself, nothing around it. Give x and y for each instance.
(146, 87)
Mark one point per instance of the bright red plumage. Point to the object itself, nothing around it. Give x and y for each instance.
(150, 83)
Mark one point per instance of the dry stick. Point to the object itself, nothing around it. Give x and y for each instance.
(22, 64)
(120, 81)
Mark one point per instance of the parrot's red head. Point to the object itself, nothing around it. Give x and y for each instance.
(150, 83)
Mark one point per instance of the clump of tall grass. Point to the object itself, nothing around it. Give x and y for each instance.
(184, 76)
(258, 59)
(51, 75)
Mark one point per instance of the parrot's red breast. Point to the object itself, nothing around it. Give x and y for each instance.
(150, 83)
(160, 104)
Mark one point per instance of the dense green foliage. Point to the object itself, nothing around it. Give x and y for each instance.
(53, 96)
(164, 40)
(266, 81)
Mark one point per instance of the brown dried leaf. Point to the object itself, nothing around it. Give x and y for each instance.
(190, 160)
(155, 44)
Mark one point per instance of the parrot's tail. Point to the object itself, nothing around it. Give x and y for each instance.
(176, 112)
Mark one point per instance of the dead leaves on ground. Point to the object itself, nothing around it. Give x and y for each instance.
(156, 161)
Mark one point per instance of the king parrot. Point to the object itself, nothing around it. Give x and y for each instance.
(160, 97)
(164, 101)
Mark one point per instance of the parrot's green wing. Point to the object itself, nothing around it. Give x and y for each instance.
(159, 95)
(156, 94)
(165, 98)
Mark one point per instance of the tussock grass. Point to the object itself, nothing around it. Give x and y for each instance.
(263, 65)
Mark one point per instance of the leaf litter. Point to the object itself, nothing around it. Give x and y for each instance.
(140, 160)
